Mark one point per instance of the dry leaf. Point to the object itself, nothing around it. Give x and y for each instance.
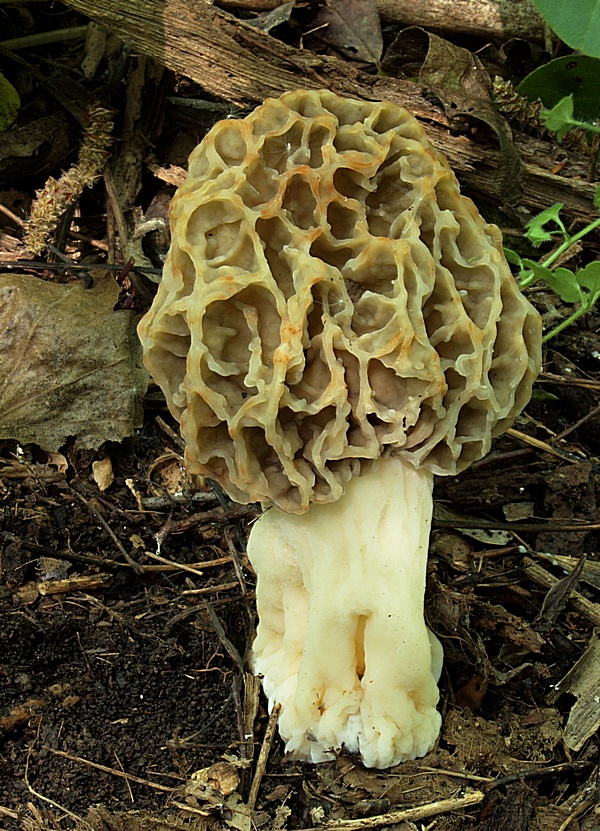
(69, 364)
(463, 85)
(102, 471)
(352, 27)
(59, 461)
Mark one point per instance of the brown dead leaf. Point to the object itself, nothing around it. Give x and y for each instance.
(272, 18)
(103, 474)
(462, 84)
(353, 28)
(69, 364)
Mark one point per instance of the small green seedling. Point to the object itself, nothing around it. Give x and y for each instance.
(561, 119)
(581, 287)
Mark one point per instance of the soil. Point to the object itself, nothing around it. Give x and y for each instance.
(116, 692)
(127, 600)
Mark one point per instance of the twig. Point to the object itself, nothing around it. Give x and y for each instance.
(251, 704)
(8, 813)
(127, 783)
(154, 503)
(492, 525)
(225, 642)
(537, 773)
(21, 265)
(577, 424)
(236, 561)
(576, 813)
(585, 383)
(223, 587)
(97, 515)
(196, 570)
(122, 774)
(47, 799)
(166, 428)
(12, 216)
(196, 567)
(263, 756)
(456, 774)
(433, 809)
(543, 446)
(120, 221)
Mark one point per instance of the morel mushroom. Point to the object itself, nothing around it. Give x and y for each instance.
(336, 324)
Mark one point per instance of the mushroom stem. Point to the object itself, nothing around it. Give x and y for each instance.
(342, 643)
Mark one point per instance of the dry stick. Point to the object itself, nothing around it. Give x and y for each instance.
(106, 769)
(559, 380)
(237, 566)
(223, 587)
(538, 773)
(16, 219)
(544, 446)
(127, 783)
(47, 799)
(225, 642)
(577, 424)
(8, 813)
(576, 813)
(135, 566)
(195, 570)
(265, 749)
(433, 809)
(250, 710)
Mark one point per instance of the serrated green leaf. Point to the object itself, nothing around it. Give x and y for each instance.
(534, 229)
(577, 22)
(560, 118)
(9, 103)
(564, 283)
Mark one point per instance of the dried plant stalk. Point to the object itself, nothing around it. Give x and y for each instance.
(58, 194)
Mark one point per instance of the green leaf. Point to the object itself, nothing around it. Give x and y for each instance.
(512, 257)
(564, 283)
(576, 75)
(589, 278)
(560, 118)
(597, 198)
(535, 231)
(9, 103)
(576, 22)
(540, 272)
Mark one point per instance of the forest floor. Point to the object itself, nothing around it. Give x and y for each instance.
(127, 600)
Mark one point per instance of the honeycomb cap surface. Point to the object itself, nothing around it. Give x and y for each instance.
(329, 296)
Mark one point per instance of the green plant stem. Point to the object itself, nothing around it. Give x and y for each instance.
(526, 281)
(564, 323)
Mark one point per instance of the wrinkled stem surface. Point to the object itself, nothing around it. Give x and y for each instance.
(342, 643)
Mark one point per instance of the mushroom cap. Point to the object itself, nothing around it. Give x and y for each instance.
(329, 296)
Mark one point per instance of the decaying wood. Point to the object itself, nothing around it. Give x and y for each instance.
(485, 18)
(244, 65)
